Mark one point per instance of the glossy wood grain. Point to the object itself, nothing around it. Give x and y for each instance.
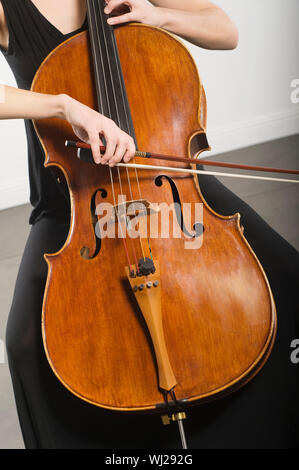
(218, 313)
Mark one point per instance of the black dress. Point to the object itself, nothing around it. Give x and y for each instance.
(264, 414)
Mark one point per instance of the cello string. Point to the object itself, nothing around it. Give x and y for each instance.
(105, 83)
(100, 98)
(110, 73)
(119, 123)
(127, 225)
(126, 117)
(118, 120)
(132, 244)
(120, 184)
(129, 181)
(111, 80)
(119, 223)
(100, 56)
(131, 241)
(112, 83)
(128, 127)
(148, 240)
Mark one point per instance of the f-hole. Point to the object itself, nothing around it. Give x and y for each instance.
(197, 227)
(84, 252)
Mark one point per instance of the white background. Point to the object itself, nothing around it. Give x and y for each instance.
(248, 89)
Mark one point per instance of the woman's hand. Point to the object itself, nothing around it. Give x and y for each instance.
(124, 11)
(200, 22)
(89, 126)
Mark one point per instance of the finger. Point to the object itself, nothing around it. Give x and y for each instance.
(130, 153)
(110, 150)
(95, 143)
(119, 154)
(127, 157)
(112, 4)
(126, 18)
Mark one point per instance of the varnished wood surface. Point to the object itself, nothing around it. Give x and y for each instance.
(218, 313)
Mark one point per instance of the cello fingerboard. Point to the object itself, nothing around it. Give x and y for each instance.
(109, 82)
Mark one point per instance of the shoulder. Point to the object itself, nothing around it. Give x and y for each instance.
(3, 29)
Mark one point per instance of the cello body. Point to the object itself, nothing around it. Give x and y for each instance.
(217, 310)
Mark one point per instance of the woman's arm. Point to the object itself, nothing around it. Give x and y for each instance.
(16, 103)
(198, 21)
(87, 124)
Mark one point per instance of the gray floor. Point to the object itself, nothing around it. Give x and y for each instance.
(13, 234)
(277, 203)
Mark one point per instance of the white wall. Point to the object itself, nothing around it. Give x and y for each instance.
(14, 186)
(248, 89)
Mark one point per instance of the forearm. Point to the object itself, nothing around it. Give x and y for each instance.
(209, 28)
(22, 104)
(87, 124)
(198, 21)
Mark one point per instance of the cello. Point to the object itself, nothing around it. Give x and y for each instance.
(143, 323)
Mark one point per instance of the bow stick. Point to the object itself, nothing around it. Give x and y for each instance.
(196, 161)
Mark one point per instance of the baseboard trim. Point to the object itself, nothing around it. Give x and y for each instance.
(14, 193)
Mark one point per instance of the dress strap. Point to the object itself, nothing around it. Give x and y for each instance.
(28, 28)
